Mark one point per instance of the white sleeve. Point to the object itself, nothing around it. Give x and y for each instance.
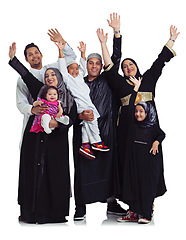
(63, 70)
(23, 98)
(69, 53)
(82, 67)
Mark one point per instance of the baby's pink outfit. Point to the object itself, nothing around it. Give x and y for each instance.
(52, 111)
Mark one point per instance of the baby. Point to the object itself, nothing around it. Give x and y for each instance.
(49, 97)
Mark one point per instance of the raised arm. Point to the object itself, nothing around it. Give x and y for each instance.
(173, 36)
(33, 84)
(82, 64)
(103, 40)
(55, 36)
(114, 23)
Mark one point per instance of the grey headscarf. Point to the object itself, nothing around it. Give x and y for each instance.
(151, 116)
(65, 96)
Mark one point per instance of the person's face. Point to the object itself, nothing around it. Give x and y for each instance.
(94, 67)
(51, 78)
(52, 95)
(34, 58)
(73, 69)
(129, 68)
(140, 113)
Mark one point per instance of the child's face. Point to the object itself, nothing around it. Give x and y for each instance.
(52, 95)
(73, 69)
(140, 113)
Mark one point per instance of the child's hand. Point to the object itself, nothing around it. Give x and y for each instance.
(60, 45)
(154, 148)
(82, 47)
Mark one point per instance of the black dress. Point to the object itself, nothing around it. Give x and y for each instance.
(142, 169)
(146, 93)
(97, 180)
(44, 179)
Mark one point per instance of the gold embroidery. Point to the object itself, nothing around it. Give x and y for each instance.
(141, 97)
(173, 52)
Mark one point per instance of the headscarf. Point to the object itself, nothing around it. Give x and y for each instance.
(151, 116)
(65, 96)
(138, 74)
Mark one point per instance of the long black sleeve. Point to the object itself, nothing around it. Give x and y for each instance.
(33, 84)
(116, 55)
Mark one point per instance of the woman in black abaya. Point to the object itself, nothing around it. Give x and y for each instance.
(124, 88)
(44, 178)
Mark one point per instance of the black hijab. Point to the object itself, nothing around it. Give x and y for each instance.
(138, 74)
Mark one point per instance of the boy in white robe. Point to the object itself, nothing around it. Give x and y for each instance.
(73, 78)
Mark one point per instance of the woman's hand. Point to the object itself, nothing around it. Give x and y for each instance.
(12, 50)
(137, 83)
(173, 33)
(173, 36)
(114, 22)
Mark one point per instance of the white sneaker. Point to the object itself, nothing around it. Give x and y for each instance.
(143, 220)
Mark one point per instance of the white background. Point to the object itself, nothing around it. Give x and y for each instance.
(145, 28)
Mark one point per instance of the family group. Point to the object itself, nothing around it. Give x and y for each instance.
(117, 137)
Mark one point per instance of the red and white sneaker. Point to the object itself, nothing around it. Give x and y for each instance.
(100, 147)
(86, 151)
(130, 217)
(143, 220)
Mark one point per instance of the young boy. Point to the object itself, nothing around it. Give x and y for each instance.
(73, 77)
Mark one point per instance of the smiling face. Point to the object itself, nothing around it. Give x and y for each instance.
(34, 58)
(73, 69)
(51, 95)
(51, 78)
(140, 114)
(129, 68)
(94, 67)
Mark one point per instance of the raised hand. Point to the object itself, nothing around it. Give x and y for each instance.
(12, 50)
(60, 45)
(82, 47)
(173, 33)
(55, 36)
(114, 21)
(101, 36)
(137, 83)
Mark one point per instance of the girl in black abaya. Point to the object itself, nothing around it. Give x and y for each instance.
(143, 160)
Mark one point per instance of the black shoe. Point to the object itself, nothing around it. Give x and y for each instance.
(80, 213)
(114, 208)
